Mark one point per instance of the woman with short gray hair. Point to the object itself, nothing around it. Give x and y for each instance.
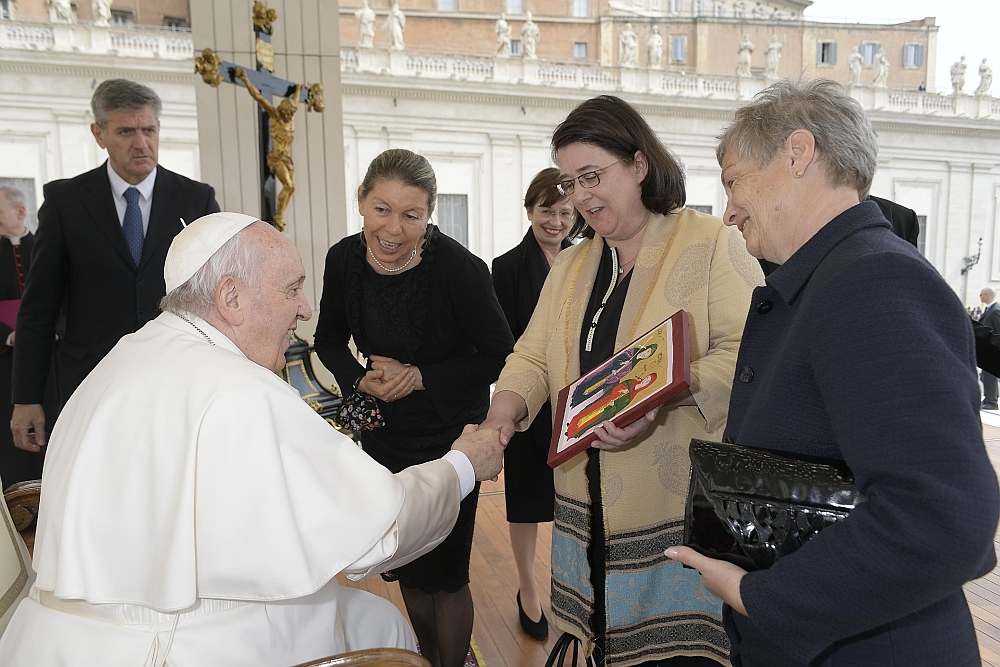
(855, 350)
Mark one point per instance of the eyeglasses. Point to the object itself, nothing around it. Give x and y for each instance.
(588, 180)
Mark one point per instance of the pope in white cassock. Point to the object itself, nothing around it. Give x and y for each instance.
(195, 510)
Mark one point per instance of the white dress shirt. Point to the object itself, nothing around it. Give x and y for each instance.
(145, 188)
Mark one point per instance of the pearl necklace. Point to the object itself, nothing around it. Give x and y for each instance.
(196, 328)
(398, 269)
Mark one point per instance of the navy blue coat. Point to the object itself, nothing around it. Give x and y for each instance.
(857, 349)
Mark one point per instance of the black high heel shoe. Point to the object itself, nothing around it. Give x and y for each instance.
(536, 629)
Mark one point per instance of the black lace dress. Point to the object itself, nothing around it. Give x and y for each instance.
(443, 317)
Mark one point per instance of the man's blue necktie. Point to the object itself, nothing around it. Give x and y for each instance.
(132, 225)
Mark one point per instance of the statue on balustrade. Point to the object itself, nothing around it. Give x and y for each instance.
(628, 47)
(985, 79)
(854, 62)
(395, 24)
(529, 38)
(881, 69)
(743, 57)
(958, 75)
(61, 11)
(740, 9)
(502, 30)
(100, 11)
(366, 25)
(654, 49)
(772, 55)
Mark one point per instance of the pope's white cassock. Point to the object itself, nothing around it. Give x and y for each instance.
(195, 511)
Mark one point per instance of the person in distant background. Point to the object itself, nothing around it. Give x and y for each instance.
(102, 240)
(16, 465)
(991, 319)
(518, 276)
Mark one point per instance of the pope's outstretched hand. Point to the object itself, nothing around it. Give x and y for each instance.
(484, 450)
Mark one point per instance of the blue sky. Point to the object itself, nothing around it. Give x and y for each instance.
(967, 27)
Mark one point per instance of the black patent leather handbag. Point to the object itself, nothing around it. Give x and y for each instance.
(752, 506)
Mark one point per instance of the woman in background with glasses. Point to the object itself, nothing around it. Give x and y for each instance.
(518, 276)
(618, 505)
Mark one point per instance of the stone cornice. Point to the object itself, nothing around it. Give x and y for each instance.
(904, 124)
(176, 71)
(548, 97)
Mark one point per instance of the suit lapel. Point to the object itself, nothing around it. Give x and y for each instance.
(164, 222)
(986, 313)
(99, 203)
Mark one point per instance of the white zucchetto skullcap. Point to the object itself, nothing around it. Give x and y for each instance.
(197, 242)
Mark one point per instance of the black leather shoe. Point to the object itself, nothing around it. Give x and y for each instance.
(988, 406)
(537, 629)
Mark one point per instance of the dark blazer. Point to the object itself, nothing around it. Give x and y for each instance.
(991, 317)
(518, 276)
(903, 220)
(81, 259)
(987, 348)
(821, 372)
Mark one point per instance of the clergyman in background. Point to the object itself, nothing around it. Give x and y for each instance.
(16, 242)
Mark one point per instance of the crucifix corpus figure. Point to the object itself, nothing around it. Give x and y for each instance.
(276, 128)
(279, 158)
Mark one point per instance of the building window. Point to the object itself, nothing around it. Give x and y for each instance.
(720, 10)
(677, 6)
(174, 23)
(579, 49)
(921, 234)
(707, 210)
(913, 55)
(698, 7)
(27, 186)
(868, 51)
(7, 10)
(579, 8)
(826, 53)
(677, 48)
(515, 6)
(515, 47)
(447, 5)
(654, 4)
(121, 17)
(453, 217)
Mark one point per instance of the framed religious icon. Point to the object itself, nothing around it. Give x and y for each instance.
(647, 372)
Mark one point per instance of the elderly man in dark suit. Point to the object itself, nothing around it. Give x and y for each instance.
(99, 253)
(990, 318)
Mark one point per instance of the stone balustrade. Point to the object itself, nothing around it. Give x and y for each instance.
(592, 76)
(116, 40)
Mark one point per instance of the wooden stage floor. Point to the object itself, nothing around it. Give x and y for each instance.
(494, 584)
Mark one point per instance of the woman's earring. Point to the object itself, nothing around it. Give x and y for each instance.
(798, 173)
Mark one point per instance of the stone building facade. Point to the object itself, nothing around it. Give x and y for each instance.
(699, 36)
(485, 122)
